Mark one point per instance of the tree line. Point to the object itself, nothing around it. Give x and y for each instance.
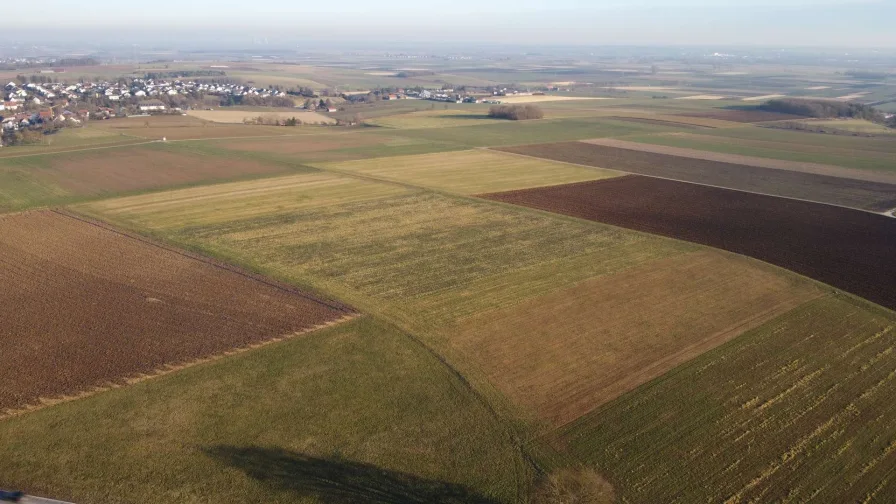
(823, 109)
(515, 112)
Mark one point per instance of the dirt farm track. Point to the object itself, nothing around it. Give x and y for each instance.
(848, 249)
(85, 306)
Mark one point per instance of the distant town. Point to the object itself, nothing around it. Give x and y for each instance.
(41, 104)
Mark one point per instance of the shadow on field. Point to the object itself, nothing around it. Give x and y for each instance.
(340, 481)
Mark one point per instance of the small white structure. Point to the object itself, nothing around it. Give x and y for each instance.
(151, 105)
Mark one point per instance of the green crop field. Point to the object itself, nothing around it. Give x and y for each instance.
(797, 410)
(471, 172)
(358, 404)
(435, 119)
(540, 131)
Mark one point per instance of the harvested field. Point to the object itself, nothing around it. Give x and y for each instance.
(852, 193)
(437, 119)
(662, 122)
(437, 257)
(176, 127)
(763, 97)
(546, 98)
(565, 354)
(85, 306)
(241, 116)
(471, 172)
(848, 249)
(777, 164)
(798, 410)
(743, 116)
(703, 97)
(860, 153)
(143, 167)
(66, 177)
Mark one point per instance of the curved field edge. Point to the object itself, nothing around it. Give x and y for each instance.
(798, 408)
(356, 397)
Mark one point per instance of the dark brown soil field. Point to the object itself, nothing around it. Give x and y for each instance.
(85, 306)
(848, 249)
(744, 116)
(861, 194)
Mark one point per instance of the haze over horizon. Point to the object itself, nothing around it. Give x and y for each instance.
(819, 23)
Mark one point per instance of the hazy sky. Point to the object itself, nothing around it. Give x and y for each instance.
(831, 23)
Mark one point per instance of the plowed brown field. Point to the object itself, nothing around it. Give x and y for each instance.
(85, 306)
(863, 194)
(848, 249)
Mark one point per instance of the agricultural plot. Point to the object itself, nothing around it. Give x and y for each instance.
(862, 194)
(74, 290)
(566, 353)
(61, 178)
(176, 127)
(848, 249)
(385, 246)
(434, 119)
(742, 115)
(470, 172)
(799, 410)
(357, 406)
(540, 131)
(325, 147)
(242, 116)
(777, 164)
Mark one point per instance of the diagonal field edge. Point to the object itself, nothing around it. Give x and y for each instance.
(334, 305)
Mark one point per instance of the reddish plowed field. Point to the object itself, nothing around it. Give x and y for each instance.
(848, 249)
(85, 306)
(852, 193)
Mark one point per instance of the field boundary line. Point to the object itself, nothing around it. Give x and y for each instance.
(332, 304)
(172, 368)
(103, 147)
(886, 213)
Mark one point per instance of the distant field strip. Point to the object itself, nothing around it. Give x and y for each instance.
(798, 410)
(848, 249)
(853, 193)
(84, 306)
(471, 172)
(567, 353)
(777, 164)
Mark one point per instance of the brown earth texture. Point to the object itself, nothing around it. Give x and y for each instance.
(84, 307)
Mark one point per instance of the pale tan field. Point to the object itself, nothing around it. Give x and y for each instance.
(565, 354)
(763, 97)
(241, 116)
(853, 96)
(209, 205)
(818, 88)
(472, 172)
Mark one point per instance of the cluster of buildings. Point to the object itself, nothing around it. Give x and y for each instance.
(124, 90)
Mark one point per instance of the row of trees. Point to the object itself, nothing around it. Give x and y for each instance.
(824, 109)
(515, 112)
